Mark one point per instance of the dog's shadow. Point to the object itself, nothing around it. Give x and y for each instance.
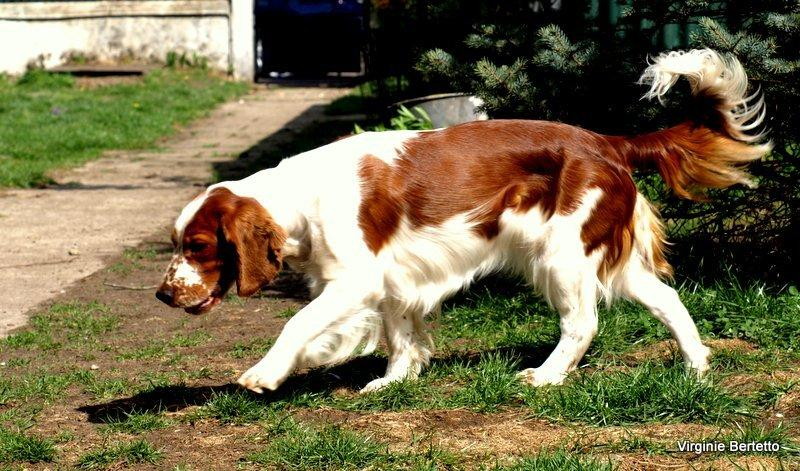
(351, 375)
(320, 382)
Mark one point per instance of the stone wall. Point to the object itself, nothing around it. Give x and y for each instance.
(49, 33)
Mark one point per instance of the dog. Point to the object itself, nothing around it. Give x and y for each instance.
(386, 225)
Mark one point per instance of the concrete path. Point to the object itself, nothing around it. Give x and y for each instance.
(54, 237)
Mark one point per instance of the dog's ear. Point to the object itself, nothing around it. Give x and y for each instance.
(255, 242)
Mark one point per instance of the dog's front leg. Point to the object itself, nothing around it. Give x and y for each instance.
(338, 300)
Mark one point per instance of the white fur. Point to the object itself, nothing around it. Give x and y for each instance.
(188, 213)
(663, 302)
(185, 272)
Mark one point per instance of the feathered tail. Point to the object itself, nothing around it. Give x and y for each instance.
(711, 149)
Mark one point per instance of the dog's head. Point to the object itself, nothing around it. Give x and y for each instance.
(220, 238)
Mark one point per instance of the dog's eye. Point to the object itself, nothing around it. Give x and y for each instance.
(196, 247)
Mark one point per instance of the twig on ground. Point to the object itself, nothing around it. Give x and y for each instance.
(136, 288)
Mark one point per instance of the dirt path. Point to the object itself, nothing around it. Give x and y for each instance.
(56, 236)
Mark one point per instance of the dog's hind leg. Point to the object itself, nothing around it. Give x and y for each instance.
(409, 348)
(640, 282)
(642, 285)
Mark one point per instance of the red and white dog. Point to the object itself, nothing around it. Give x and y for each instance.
(387, 225)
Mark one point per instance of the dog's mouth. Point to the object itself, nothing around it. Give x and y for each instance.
(204, 306)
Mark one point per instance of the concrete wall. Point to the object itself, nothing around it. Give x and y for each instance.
(110, 31)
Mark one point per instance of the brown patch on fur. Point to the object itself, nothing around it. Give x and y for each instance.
(690, 157)
(237, 232)
(484, 168)
(379, 214)
(610, 225)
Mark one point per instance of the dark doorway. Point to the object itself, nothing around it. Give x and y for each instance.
(298, 39)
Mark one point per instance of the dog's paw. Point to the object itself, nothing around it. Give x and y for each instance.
(699, 369)
(538, 377)
(698, 363)
(258, 379)
(377, 385)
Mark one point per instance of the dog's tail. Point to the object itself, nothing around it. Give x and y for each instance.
(710, 149)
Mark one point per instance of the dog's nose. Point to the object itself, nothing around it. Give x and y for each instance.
(165, 295)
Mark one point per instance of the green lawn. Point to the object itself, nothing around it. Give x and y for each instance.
(137, 377)
(47, 121)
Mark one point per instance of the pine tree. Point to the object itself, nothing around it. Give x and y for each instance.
(583, 72)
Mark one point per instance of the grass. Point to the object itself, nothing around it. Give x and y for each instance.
(253, 348)
(153, 349)
(648, 393)
(30, 339)
(295, 446)
(489, 384)
(730, 310)
(287, 313)
(330, 447)
(506, 315)
(557, 460)
(485, 320)
(772, 391)
(81, 320)
(76, 321)
(737, 359)
(514, 327)
(52, 123)
(192, 339)
(22, 417)
(159, 348)
(127, 453)
(136, 422)
(232, 298)
(124, 268)
(238, 407)
(105, 388)
(397, 396)
(40, 385)
(17, 362)
(20, 447)
(633, 443)
(756, 433)
(135, 254)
